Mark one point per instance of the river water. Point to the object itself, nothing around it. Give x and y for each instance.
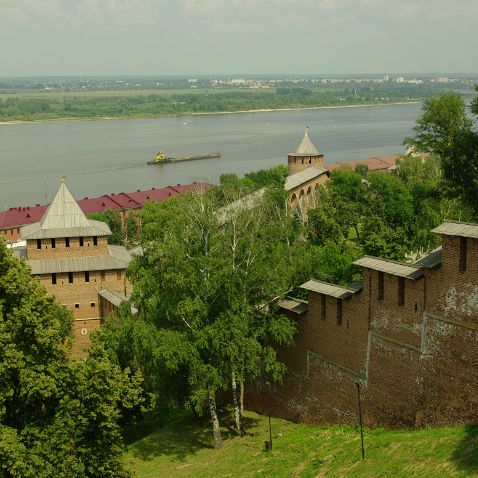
(105, 156)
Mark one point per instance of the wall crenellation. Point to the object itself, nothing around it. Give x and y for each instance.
(416, 361)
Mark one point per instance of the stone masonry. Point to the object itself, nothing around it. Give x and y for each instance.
(71, 257)
(408, 334)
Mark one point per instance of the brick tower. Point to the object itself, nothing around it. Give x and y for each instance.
(71, 256)
(306, 155)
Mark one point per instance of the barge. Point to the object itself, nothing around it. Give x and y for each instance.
(162, 158)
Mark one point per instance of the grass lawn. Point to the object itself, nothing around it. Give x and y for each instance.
(183, 449)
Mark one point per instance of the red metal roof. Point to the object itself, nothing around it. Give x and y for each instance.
(374, 164)
(19, 216)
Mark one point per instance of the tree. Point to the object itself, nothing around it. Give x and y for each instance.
(460, 169)
(58, 417)
(445, 130)
(206, 285)
(443, 120)
(113, 219)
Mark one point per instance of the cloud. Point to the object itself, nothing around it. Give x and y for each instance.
(26, 9)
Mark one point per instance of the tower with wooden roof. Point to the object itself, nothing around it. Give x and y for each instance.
(71, 256)
(305, 156)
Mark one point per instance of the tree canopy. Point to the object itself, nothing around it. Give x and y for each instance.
(58, 417)
(446, 131)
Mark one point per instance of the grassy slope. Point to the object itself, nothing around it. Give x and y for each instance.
(182, 449)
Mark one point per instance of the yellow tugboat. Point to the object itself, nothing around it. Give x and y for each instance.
(162, 158)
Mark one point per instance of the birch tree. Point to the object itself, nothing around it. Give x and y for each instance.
(203, 282)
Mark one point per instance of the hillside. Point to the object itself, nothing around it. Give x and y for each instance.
(183, 449)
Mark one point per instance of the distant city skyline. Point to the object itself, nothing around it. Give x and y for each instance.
(233, 37)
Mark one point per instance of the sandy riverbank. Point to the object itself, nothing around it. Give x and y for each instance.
(263, 110)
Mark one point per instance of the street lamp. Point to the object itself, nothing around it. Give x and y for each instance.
(268, 444)
(359, 385)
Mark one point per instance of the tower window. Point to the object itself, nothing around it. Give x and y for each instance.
(38, 243)
(92, 304)
(77, 306)
(87, 276)
(67, 242)
(53, 278)
(53, 243)
(463, 253)
(81, 242)
(70, 277)
(381, 288)
(95, 240)
(401, 291)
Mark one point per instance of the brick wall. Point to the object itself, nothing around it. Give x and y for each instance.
(304, 195)
(416, 362)
(299, 163)
(12, 234)
(81, 335)
(83, 300)
(61, 250)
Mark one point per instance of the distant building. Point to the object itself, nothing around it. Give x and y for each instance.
(70, 255)
(14, 218)
(374, 164)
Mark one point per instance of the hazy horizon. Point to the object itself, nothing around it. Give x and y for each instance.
(153, 38)
(248, 75)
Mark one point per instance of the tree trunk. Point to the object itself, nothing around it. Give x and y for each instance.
(242, 398)
(237, 411)
(356, 231)
(215, 421)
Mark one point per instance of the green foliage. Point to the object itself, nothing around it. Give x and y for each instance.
(113, 219)
(460, 170)
(446, 131)
(390, 200)
(376, 214)
(386, 215)
(131, 226)
(362, 169)
(180, 102)
(442, 120)
(58, 417)
(205, 288)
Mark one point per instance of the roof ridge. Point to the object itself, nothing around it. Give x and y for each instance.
(331, 283)
(63, 212)
(306, 146)
(390, 261)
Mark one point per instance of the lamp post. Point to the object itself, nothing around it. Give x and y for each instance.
(358, 383)
(267, 385)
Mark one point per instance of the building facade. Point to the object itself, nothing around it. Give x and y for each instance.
(407, 335)
(73, 260)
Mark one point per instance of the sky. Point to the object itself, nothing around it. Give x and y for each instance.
(233, 37)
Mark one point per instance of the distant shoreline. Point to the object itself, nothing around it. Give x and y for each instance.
(263, 110)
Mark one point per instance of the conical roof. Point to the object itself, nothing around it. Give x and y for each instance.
(64, 218)
(63, 212)
(306, 147)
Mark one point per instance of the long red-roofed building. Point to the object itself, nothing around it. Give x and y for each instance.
(14, 218)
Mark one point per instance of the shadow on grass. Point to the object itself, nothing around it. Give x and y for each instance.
(465, 455)
(185, 436)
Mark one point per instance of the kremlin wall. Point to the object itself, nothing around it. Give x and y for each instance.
(406, 336)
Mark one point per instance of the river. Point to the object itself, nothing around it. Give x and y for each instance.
(105, 156)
